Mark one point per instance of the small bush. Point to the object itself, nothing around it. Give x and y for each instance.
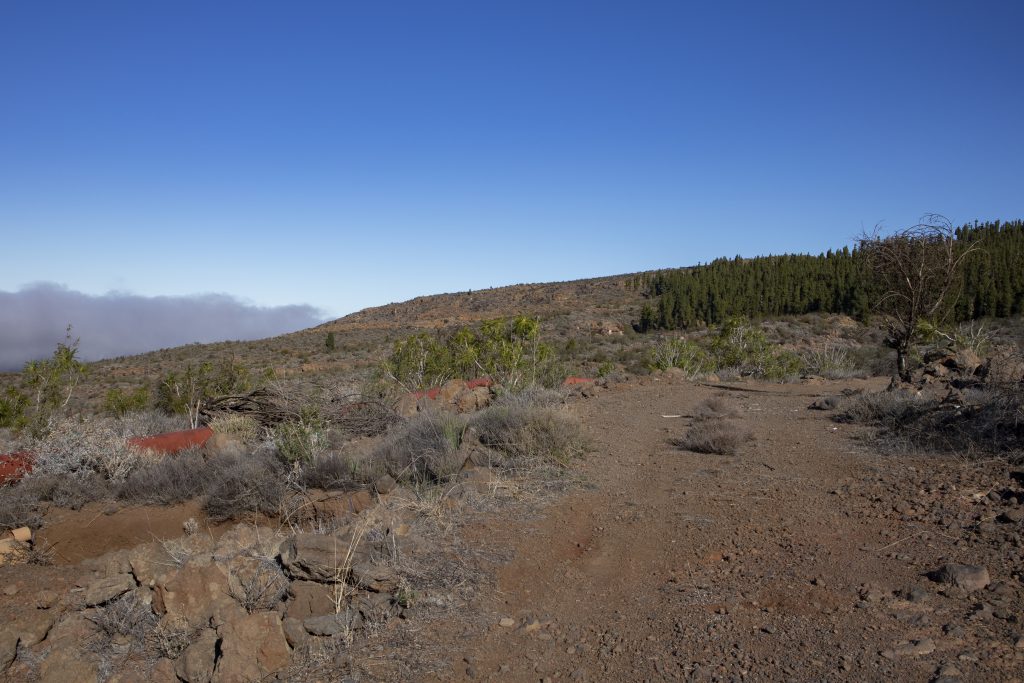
(118, 402)
(712, 408)
(830, 361)
(245, 428)
(79, 449)
(330, 471)
(67, 492)
(523, 431)
(127, 616)
(424, 449)
(717, 436)
(302, 439)
(19, 506)
(259, 586)
(244, 485)
(172, 479)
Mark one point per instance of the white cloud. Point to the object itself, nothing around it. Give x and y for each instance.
(33, 320)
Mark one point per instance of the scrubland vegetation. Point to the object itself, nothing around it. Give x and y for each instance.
(302, 451)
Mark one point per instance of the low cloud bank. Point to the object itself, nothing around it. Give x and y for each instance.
(33, 320)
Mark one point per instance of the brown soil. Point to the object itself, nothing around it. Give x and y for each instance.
(103, 527)
(802, 557)
(779, 563)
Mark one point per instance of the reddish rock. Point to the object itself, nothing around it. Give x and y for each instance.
(450, 390)
(14, 466)
(251, 648)
(172, 442)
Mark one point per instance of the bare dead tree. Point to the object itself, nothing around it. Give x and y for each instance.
(918, 274)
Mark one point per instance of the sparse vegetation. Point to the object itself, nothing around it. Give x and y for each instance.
(918, 276)
(244, 485)
(714, 430)
(737, 348)
(989, 420)
(508, 350)
(424, 449)
(47, 388)
(119, 403)
(531, 427)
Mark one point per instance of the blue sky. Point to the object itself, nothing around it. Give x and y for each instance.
(347, 154)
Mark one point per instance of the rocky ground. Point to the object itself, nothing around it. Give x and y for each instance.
(808, 554)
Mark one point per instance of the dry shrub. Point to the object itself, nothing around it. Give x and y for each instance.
(170, 480)
(988, 420)
(244, 485)
(715, 407)
(245, 428)
(126, 616)
(148, 423)
(67, 492)
(358, 415)
(19, 506)
(79, 449)
(340, 470)
(423, 449)
(260, 586)
(831, 361)
(524, 431)
(171, 636)
(328, 471)
(887, 409)
(714, 436)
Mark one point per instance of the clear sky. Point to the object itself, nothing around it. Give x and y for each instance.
(347, 154)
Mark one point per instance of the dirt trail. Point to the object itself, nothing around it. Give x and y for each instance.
(768, 565)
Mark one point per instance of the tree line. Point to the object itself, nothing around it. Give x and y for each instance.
(834, 282)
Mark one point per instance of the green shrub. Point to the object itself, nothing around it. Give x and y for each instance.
(303, 438)
(46, 389)
(186, 393)
(687, 355)
(508, 350)
(118, 403)
(745, 349)
(738, 348)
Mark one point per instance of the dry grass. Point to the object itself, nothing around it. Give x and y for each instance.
(244, 485)
(167, 481)
(530, 428)
(988, 421)
(19, 506)
(260, 586)
(127, 616)
(716, 435)
(242, 427)
(424, 449)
